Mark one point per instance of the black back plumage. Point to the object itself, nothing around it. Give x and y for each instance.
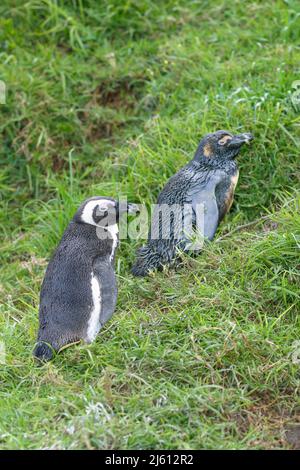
(79, 290)
(210, 166)
(65, 299)
(73, 279)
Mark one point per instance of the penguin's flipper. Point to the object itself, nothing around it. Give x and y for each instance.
(206, 213)
(105, 273)
(211, 218)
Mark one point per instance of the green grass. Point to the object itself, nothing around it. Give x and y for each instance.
(111, 98)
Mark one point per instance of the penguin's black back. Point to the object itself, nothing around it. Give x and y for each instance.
(189, 180)
(195, 173)
(66, 290)
(178, 185)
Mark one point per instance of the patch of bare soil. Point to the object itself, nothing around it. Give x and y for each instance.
(122, 94)
(278, 426)
(292, 435)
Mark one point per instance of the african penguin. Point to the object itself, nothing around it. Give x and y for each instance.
(79, 290)
(209, 179)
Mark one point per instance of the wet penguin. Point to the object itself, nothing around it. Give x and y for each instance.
(79, 290)
(209, 179)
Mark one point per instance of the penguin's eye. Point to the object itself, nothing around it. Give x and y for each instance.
(100, 211)
(224, 140)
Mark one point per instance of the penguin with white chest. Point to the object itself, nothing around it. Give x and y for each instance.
(79, 291)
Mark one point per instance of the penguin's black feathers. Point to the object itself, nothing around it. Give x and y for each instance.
(80, 280)
(209, 178)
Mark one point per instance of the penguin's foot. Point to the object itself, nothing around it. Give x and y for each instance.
(139, 270)
(148, 261)
(43, 352)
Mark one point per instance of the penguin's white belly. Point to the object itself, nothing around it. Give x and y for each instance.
(94, 320)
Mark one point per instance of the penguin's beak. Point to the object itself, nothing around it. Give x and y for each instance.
(240, 139)
(122, 207)
(133, 208)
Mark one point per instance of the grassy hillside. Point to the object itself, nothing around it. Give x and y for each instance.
(111, 98)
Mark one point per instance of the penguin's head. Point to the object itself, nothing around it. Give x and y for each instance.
(221, 145)
(103, 211)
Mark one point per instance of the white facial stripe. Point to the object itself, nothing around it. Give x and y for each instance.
(113, 230)
(87, 213)
(94, 321)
